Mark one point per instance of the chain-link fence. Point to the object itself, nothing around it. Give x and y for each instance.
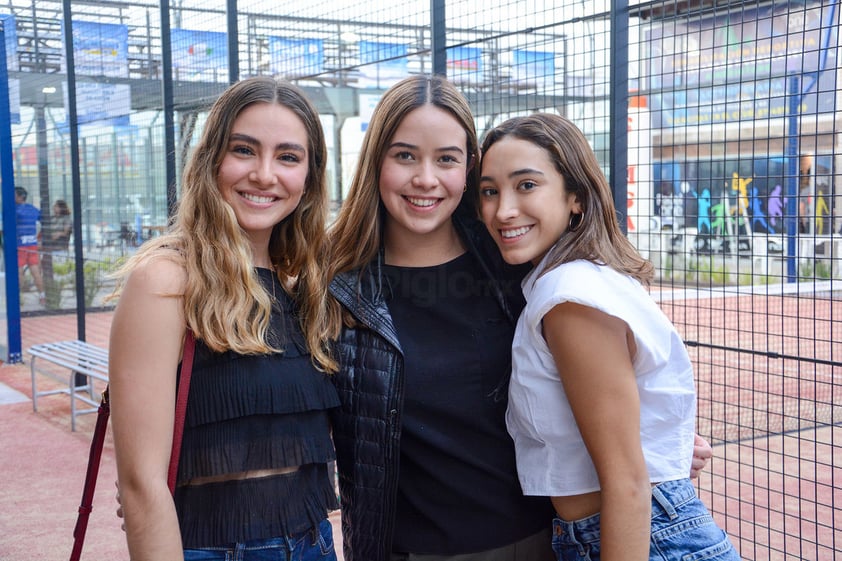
(715, 122)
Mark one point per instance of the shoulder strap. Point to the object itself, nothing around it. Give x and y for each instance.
(90, 477)
(98, 439)
(181, 407)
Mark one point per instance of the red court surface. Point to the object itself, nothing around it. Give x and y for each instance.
(774, 487)
(768, 384)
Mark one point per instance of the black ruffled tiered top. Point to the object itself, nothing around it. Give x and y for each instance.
(254, 413)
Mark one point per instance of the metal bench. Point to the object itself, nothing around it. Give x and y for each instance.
(80, 358)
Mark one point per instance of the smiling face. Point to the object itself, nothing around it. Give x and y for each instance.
(423, 173)
(264, 168)
(523, 200)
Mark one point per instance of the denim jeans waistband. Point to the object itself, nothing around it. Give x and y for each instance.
(666, 498)
(289, 540)
(670, 495)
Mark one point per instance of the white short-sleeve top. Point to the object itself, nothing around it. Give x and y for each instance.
(551, 456)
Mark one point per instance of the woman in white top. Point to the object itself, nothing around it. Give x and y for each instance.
(602, 401)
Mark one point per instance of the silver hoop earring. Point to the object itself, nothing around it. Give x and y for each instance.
(574, 225)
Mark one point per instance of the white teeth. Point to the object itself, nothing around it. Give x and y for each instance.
(257, 198)
(516, 232)
(421, 202)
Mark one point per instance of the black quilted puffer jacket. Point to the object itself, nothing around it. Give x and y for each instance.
(367, 426)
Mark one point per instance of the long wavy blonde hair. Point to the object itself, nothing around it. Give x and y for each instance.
(596, 236)
(356, 235)
(224, 303)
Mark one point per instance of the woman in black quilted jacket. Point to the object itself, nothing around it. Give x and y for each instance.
(426, 466)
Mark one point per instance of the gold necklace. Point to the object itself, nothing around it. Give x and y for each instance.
(274, 281)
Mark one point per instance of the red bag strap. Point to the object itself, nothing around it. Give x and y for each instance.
(181, 407)
(90, 477)
(98, 440)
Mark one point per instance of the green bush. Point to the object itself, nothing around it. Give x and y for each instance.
(95, 274)
(822, 269)
(64, 276)
(805, 270)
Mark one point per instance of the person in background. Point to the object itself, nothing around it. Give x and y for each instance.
(602, 402)
(55, 236)
(805, 176)
(27, 218)
(241, 268)
(426, 467)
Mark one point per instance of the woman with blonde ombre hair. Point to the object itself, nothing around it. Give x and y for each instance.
(241, 267)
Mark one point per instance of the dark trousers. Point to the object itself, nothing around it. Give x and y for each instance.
(537, 547)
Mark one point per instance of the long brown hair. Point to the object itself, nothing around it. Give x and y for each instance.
(356, 235)
(61, 207)
(597, 236)
(224, 303)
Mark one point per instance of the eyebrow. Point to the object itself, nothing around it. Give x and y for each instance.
(280, 146)
(414, 147)
(516, 173)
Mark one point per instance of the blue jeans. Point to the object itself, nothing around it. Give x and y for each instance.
(682, 530)
(312, 545)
